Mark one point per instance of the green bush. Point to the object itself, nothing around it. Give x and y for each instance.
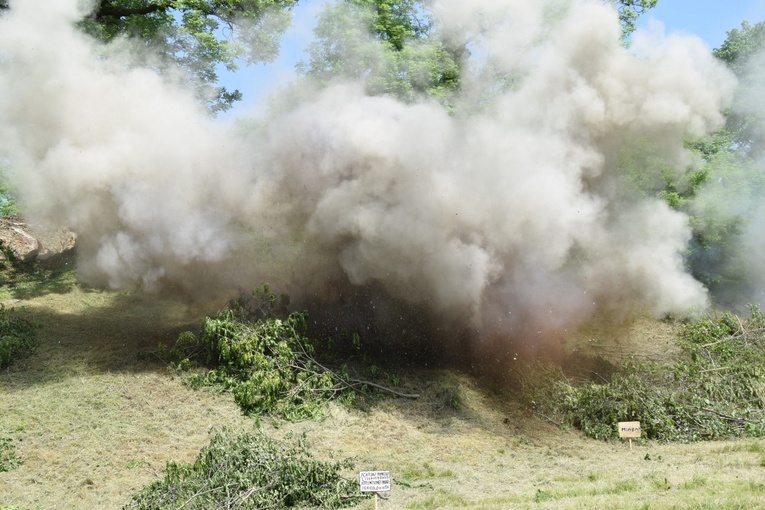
(18, 337)
(267, 364)
(259, 352)
(250, 471)
(715, 389)
(595, 409)
(269, 367)
(8, 203)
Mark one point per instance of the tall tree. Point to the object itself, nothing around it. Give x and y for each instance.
(731, 170)
(395, 47)
(630, 11)
(198, 35)
(387, 43)
(741, 45)
(743, 52)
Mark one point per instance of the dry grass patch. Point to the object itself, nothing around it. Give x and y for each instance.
(474, 458)
(95, 419)
(635, 337)
(92, 440)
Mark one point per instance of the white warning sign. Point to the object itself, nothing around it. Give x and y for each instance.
(374, 481)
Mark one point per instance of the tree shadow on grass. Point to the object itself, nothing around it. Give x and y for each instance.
(90, 331)
(27, 279)
(87, 331)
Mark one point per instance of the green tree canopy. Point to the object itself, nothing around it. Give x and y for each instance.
(197, 35)
(744, 131)
(201, 35)
(394, 45)
(387, 43)
(741, 45)
(729, 184)
(630, 11)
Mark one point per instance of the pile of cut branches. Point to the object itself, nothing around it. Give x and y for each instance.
(715, 389)
(267, 363)
(250, 471)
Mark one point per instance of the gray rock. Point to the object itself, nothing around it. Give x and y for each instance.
(15, 238)
(28, 241)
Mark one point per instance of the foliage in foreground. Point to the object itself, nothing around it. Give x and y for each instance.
(249, 471)
(8, 458)
(18, 337)
(716, 389)
(8, 204)
(267, 363)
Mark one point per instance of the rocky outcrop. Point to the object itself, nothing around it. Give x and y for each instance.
(29, 241)
(15, 238)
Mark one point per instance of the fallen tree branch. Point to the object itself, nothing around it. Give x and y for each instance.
(112, 11)
(349, 380)
(385, 389)
(727, 417)
(714, 369)
(548, 419)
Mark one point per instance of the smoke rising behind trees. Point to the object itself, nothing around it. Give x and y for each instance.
(519, 210)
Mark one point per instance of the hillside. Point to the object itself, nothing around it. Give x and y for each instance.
(94, 418)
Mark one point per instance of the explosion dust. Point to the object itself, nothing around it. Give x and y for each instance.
(495, 227)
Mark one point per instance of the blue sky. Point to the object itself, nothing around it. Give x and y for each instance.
(708, 19)
(254, 81)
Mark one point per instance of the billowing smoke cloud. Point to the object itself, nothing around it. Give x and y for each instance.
(511, 217)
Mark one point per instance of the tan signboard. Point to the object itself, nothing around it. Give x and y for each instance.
(629, 429)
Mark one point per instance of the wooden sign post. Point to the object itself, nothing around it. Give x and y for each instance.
(374, 481)
(629, 429)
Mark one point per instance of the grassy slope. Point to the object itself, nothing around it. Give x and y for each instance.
(94, 421)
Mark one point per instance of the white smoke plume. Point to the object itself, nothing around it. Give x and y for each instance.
(511, 218)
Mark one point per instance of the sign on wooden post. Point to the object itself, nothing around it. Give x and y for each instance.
(629, 429)
(374, 481)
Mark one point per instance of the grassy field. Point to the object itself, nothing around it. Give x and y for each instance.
(95, 417)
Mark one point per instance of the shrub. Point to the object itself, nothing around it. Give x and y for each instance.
(266, 362)
(715, 389)
(8, 203)
(268, 365)
(17, 337)
(250, 471)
